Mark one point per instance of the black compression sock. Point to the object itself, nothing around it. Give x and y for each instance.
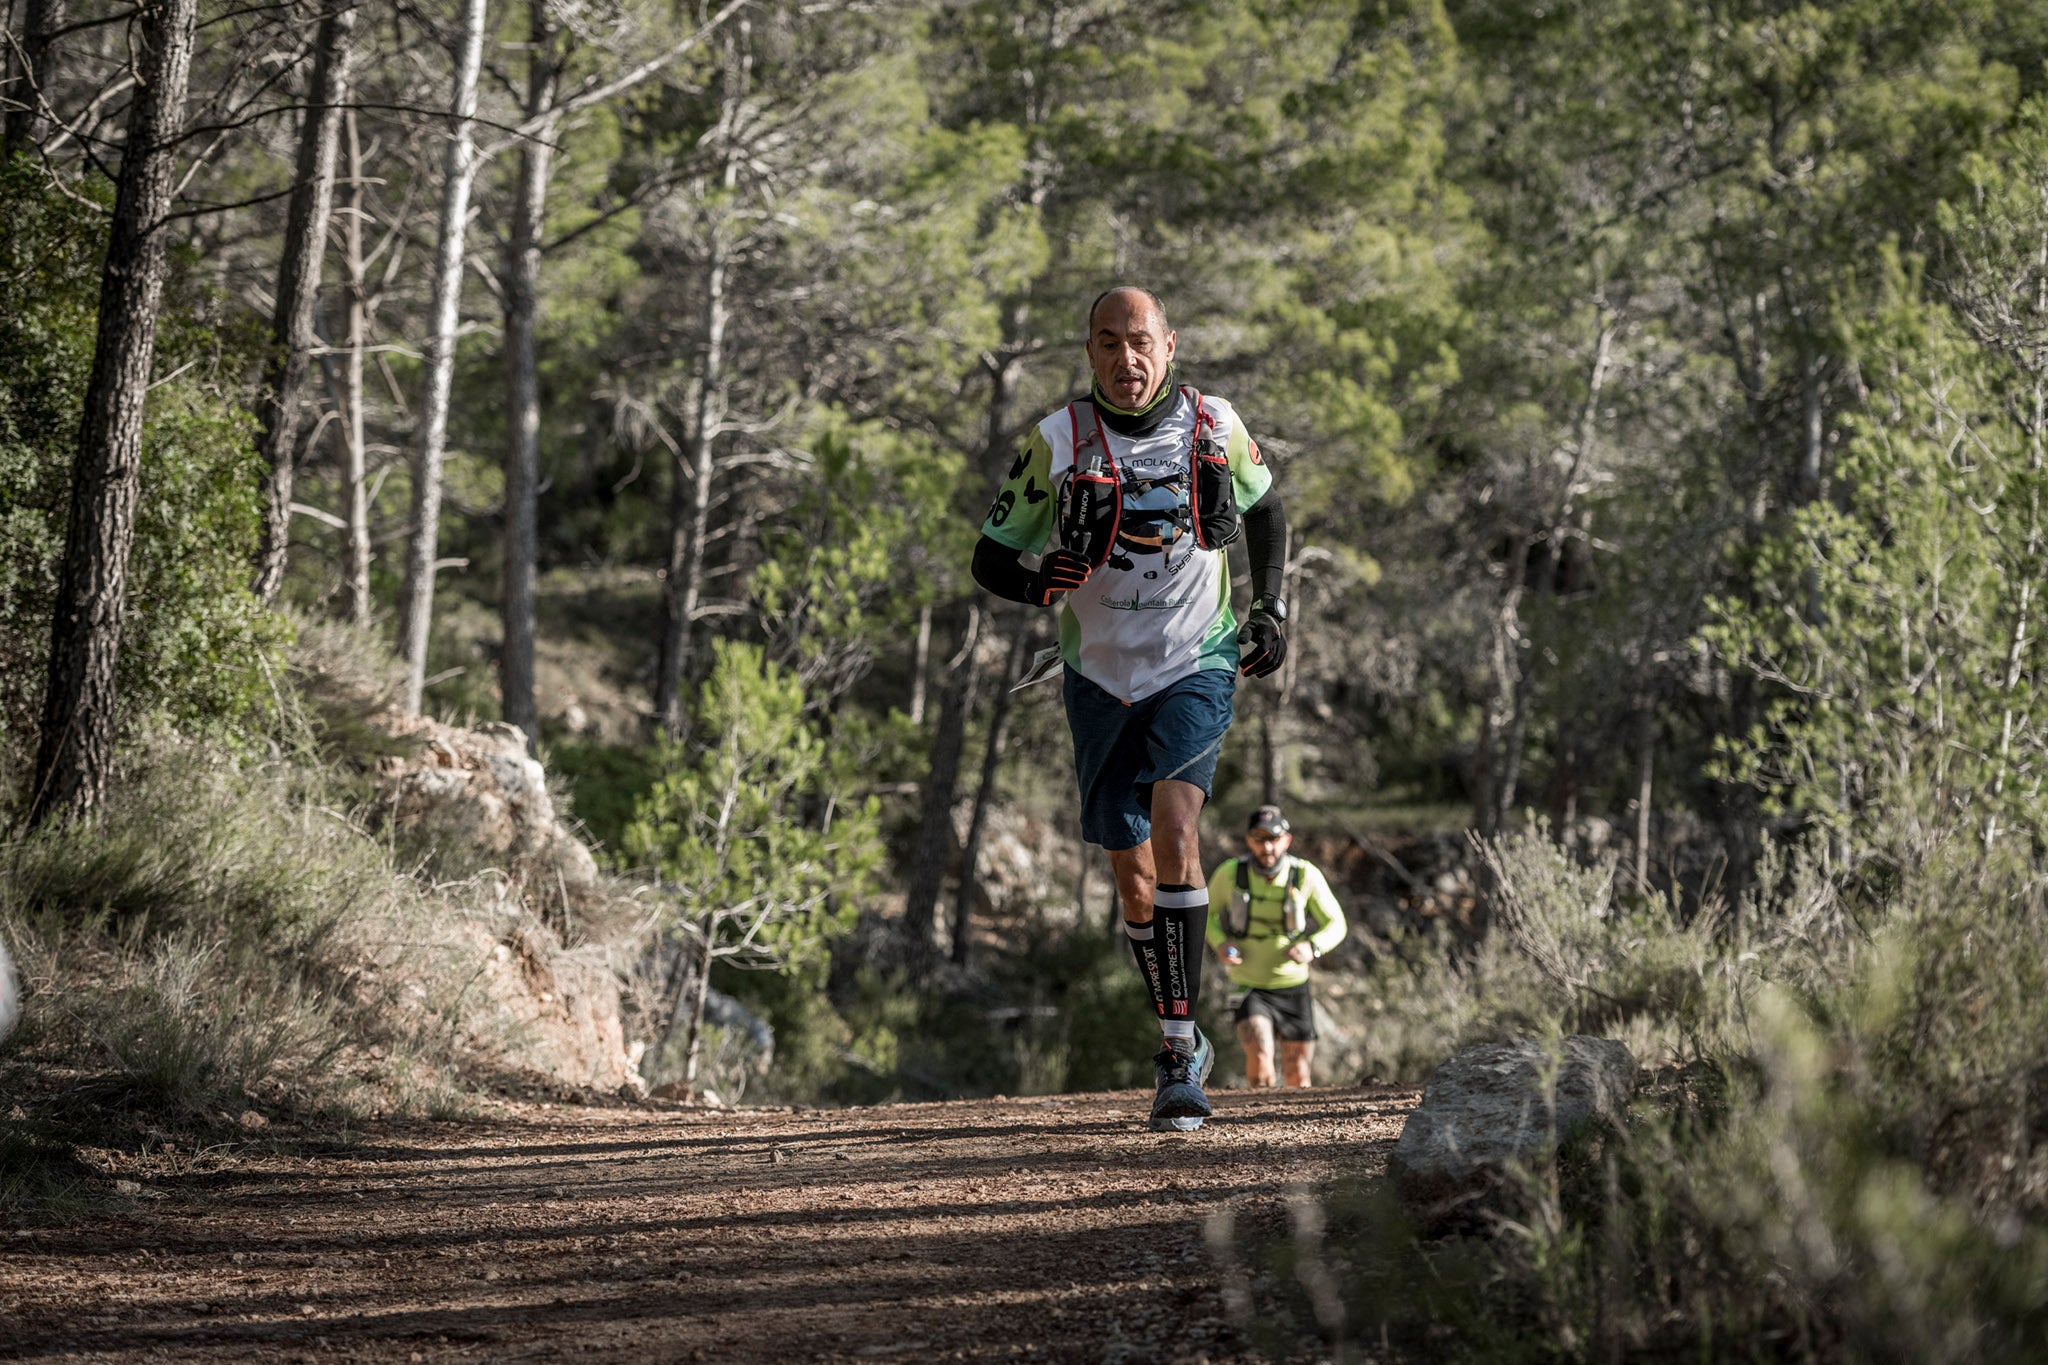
(1180, 921)
(1145, 948)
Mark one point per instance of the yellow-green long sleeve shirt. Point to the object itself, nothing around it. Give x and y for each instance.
(1266, 965)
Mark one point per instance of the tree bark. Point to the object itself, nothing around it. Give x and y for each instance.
(1274, 727)
(1488, 797)
(1081, 877)
(984, 792)
(693, 1041)
(1515, 737)
(1272, 756)
(522, 381)
(920, 661)
(30, 72)
(417, 607)
(935, 826)
(355, 536)
(76, 746)
(298, 288)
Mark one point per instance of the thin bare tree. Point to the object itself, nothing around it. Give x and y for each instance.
(522, 378)
(942, 779)
(1021, 640)
(545, 114)
(298, 287)
(355, 535)
(459, 176)
(690, 500)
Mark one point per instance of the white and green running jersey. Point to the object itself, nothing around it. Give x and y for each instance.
(1160, 608)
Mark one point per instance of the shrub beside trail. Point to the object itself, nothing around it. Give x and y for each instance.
(1839, 1152)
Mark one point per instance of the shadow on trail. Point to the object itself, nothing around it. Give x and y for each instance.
(836, 1298)
(1074, 1232)
(450, 1158)
(703, 1228)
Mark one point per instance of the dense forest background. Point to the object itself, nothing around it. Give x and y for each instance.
(1658, 392)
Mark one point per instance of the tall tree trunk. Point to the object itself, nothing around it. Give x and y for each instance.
(1001, 372)
(698, 981)
(1081, 877)
(298, 287)
(417, 608)
(984, 792)
(30, 71)
(690, 500)
(1278, 699)
(935, 824)
(1515, 737)
(1272, 756)
(355, 536)
(76, 747)
(522, 380)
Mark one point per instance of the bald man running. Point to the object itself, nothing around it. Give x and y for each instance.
(1119, 506)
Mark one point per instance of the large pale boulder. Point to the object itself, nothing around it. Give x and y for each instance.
(1504, 1107)
(479, 787)
(562, 1008)
(479, 797)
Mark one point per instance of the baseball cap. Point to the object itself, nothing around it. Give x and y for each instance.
(1268, 818)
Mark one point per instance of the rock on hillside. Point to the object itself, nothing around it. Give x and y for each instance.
(1500, 1108)
(481, 787)
(478, 799)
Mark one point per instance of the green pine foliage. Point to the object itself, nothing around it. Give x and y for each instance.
(1898, 621)
(868, 540)
(197, 650)
(762, 860)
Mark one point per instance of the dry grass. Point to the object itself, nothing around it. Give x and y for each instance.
(1845, 1156)
(225, 937)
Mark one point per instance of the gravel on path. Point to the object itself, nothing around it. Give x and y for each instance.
(1053, 1229)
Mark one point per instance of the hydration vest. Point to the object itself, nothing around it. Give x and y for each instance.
(1092, 508)
(1237, 916)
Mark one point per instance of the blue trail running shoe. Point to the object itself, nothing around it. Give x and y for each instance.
(1180, 1106)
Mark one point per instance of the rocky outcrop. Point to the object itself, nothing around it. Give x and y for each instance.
(562, 1008)
(481, 804)
(1502, 1108)
(481, 788)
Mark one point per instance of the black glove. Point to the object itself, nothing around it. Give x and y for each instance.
(1061, 570)
(1261, 647)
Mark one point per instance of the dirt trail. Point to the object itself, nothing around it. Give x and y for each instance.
(1054, 1229)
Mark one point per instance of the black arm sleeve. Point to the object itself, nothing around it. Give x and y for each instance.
(997, 568)
(1265, 541)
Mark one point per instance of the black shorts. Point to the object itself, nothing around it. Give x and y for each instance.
(1291, 1009)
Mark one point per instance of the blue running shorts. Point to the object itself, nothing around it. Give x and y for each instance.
(1120, 750)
